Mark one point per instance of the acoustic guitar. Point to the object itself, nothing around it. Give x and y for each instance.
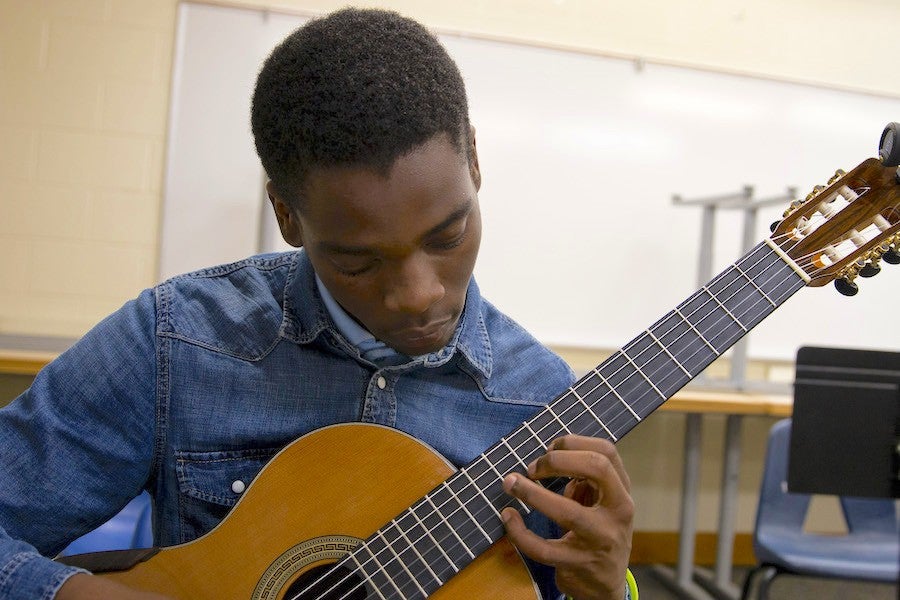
(391, 519)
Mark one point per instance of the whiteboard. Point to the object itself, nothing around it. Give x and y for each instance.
(580, 157)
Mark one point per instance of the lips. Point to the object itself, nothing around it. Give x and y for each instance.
(421, 340)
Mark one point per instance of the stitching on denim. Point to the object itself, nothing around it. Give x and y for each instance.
(207, 346)
(289, 319)
(12, 565)
(269, 263)
(163, 351)
(57, 581)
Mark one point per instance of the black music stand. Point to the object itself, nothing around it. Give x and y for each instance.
(845, 434)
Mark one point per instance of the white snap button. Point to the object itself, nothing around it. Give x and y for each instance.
(381, 382)
(238, 487)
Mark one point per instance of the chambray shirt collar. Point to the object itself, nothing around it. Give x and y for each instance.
(306, 316)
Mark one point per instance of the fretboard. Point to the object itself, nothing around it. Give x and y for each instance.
(422, 548)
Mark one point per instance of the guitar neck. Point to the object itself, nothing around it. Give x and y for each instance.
(444, 531)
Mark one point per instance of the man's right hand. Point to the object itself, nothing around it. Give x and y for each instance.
(88, 587)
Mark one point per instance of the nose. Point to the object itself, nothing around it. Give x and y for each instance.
(414, 286)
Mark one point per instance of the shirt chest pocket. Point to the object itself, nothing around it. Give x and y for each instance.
(211, 483)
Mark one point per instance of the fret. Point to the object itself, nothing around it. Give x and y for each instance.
(545, 425)
(369, 577)
(580, 420)
(401, 562)
(753, 283)
(412, 546)
(466, 509)
(458, 515)
(362, 570)
(679, 339)
(588, 409)
(513, 453)
(788, 260)
(723, 307)
(500, 477)
(478, 489)
(746, 302)
(535, 435)
(617, 395)
(450, 527)
(427, 531)
(449, 543)
(666, 350)
(771, 274)
(697, 331)
(666, 372)
(636, 394)
(591, 412)
(642, 374)
(549, 409)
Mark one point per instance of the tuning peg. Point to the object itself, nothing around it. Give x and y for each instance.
(774, 226)
(870, 269)
(846, 287)
(889, 147)
(892, 256)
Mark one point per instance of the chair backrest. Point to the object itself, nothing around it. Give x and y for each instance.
(871, 515)
(776, 506)
(130, 528)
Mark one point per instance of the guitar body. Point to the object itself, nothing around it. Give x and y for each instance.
(308, 504)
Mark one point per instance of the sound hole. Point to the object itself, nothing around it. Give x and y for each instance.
(319, 584)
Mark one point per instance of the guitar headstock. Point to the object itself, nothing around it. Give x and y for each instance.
(846, 228)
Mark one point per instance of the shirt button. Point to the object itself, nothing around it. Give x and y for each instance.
(238, 487)
(381, 382)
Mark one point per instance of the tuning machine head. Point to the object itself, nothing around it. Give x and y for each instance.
(889, 146)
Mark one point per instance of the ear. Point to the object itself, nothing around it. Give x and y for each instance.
(288, 222)
(474, 170)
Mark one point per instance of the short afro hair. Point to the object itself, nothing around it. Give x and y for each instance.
(356, 87)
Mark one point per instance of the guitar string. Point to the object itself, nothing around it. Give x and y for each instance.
(561, 431)
(602, 398)
(737, 268)
(727, 272)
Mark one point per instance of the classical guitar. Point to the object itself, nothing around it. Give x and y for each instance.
(390, 519)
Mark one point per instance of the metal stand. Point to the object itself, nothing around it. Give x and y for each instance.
(686, 577)
(744, 202)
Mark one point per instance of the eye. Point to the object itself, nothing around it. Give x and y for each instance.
(449, 244)
(353, 268)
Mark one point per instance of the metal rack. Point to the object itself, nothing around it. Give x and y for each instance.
(687, 580)
(744, 202)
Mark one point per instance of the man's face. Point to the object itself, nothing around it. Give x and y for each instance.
(396, 251)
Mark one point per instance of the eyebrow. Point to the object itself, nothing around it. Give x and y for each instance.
(452, 218)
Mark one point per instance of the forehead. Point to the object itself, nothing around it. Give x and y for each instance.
(361, 206)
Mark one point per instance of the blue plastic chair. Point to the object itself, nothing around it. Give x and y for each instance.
(869, 551)
(131, 528)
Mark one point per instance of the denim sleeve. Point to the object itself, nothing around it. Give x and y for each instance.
(76, 447)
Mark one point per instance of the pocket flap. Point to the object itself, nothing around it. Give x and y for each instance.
(219, 477)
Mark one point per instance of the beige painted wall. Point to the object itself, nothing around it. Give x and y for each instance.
(84, 88)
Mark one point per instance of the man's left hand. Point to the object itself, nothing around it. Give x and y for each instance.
(595, 511)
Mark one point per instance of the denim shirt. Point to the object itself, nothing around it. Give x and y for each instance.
(198, 382)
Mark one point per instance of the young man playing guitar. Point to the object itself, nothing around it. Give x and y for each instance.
(361, 123)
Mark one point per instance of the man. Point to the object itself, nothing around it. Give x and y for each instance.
(361, 122)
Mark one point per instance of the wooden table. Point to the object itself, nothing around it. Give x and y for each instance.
(735, 405)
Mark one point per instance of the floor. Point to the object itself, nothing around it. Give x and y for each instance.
(784, 587)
